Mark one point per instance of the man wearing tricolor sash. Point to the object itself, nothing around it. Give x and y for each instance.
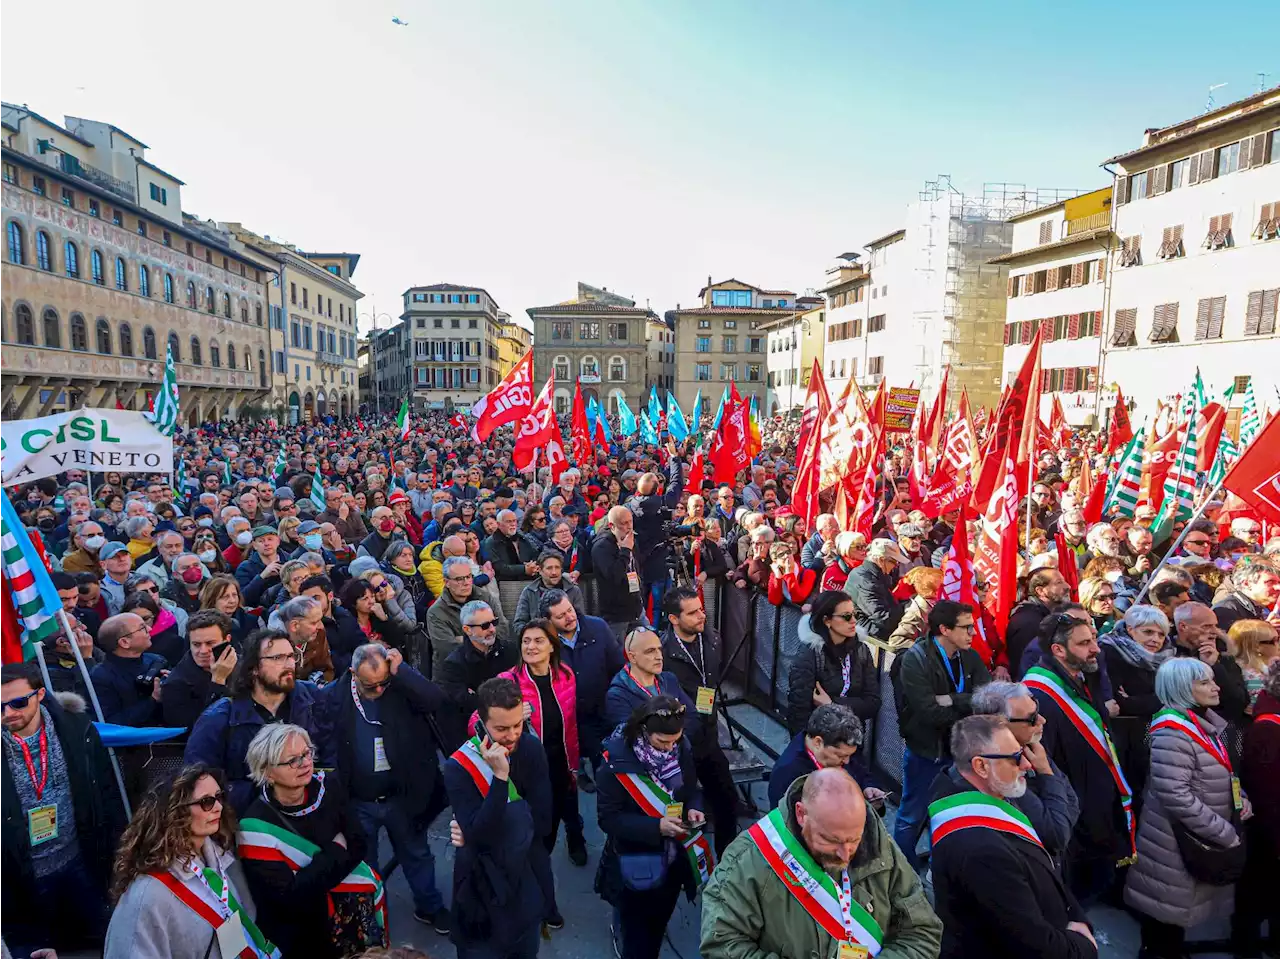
(1067, 689)
(995, 885)
(818, 877)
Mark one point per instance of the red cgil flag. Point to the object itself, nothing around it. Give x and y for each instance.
(864, 512)
(580, 430)
(697, 472)
(1016, 422)
(958, 584)
(997, 554)
(817, 405)
(539, 430)
(507, 402)
(1067, 564)
(1255, 476)
(933, 428)
(1121, 429)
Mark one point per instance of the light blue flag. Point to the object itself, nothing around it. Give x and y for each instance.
(715, 424)
(655, 407)
(695, 421)
(604, 425)
(591, 415)
(626, 419)
(647, 433)
(676, 425)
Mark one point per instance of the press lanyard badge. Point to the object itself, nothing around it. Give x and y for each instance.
(1237, 799)
(851, 950)
(380, 764)
(633, 581)
(706, 700)
(848, 948)
(675, 810)
(232, 938)
(42, 824)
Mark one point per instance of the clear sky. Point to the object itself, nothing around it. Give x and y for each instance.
(521, 145)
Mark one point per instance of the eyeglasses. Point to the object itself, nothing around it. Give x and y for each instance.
(967, 627)
(18, 702)
(491, 624)
(1012, 757)
(208, 802)
(466, 578)
(296, 656)
(154, 590)
(1195, 542)
(847, 617)
(374, 687)
(300, 760)
(1029, 720)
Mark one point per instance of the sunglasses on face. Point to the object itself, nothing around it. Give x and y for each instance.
(1029, 720)
(1012, 757)
(375, 687)
(18, 702)
(208, 802)
(486, 626)
(847, 617)
(1106, 597)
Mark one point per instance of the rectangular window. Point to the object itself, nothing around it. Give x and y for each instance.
(295, 336)
(438, 324)
(1139, 185)
(308, 374)
(473, 324)
(68, 198)
(561, 330)
(117, 218)
(1228, 159)
(875, 366)
(37, 185)
(455, 324)
(1260, 313)
(10, 173)
(702, 371)
(293, 289)
(753, 372)
(729, 344)
(728, 371)
(618, 331)
(142, 228)
(875, 323)
(306, 337)
(589, 331)
(1178, 173)
(305, 304)
(755, 344)
(94, 210)
(1209, 315)
(703, 345)
(730, 324)
(704, 324)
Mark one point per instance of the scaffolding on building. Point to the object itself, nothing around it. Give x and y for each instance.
(963, 311)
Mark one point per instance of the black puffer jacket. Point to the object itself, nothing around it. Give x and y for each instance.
(820, 661)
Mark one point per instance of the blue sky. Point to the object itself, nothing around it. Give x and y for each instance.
(522, 146)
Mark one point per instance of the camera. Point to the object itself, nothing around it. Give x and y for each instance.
(146, 681)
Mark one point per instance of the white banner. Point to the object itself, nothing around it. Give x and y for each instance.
(118, 441)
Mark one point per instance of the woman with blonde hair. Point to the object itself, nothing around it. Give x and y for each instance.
(851, 550)
(223, 594)
(927, 583)
(1098, 597)
(1253, 645)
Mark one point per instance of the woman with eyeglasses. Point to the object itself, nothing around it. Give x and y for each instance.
(832, 665)
(1098, 597)
(1193, 790)
(177, 879)
(534, 525)
(161, 617)
(1133, 651)
(577, 558)
(851, 550)
(304, 853)
(1252, 643)
(223, 594)
(650, 810)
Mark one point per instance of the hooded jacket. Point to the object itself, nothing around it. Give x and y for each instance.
(819, 661)
(748, 912)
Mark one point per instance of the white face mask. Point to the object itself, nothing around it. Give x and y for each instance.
(94, 542)
(244, 539)
(207, 555)
(205, 521)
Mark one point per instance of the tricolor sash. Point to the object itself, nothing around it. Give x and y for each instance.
(812, 887)
(654, 800)
(1176, 719)
(259, 947)
(469, 758)
(267, 842)
(1267, 718)
(974, 810)
(1089, 724)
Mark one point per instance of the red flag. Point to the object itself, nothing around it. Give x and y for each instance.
(1067, 564)
(728, 453)
(507, 402)
(458, 421)
(957, 584)
(1059, 431)
(1121, 429)
(945, 492)
(1211, 419)
(579, 430)
(1016, 420)
(817, 404)
(961, 447)
(1092, 507)
(933, 428)
(918, 472)
(997, 556)
(1255, 476)
(696, 475)
(864, 513)
(538, 430)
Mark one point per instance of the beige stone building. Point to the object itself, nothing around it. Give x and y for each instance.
(451, 334)
(102, 269)
(514, 341)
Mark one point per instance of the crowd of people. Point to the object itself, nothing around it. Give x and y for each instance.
(355, 630)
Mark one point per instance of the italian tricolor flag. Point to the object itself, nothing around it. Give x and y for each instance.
(402, 419)
(30, 613)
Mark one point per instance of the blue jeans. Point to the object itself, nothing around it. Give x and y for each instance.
(654, 592)
(411, 847)
(918, 774)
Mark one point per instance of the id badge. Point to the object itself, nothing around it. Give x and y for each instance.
(1237, 799)
(675, 810)
(633, 581)
(232, 938)
(42, 824)
(380, 764)
(851, 950)
(706, 700)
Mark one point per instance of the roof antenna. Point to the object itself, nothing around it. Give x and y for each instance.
(1209, 105)
(1262, 81)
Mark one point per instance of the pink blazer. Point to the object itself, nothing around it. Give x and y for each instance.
(565, 687)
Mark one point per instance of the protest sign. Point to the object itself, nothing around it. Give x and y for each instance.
(119, 441)
(900, 408)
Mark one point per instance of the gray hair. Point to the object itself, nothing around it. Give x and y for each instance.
(881, 549)
(310, 559)
(506, 514)
(1246, 573)
(372, 653)
(297, 608)
(972, 736)
(910, 530)
(555, 527)
(1173, 574)
(235, 522)
(136, 524)
(762, 534)
(1175, 679)
(1093, 537)
(472, 609)
(167, 533)
(132, 582)
(836, 725)
(551, 599)
(453, 562)
(1135, 617)
(993, 698)
(267, 748)
(1184, 612)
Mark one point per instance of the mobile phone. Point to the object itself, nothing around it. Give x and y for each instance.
(220, 649)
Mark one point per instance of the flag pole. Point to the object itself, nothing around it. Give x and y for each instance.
(1164, 561)
(44, 668)
(93, 699)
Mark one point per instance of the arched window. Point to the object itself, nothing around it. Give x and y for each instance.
(17, 249)
(215, 354)
(175, 348)
(44, 259)
(24, 328)
(148, 343)
(104, 336)
(95, 267)
(126, 340)
(122, 274)
(79, 334)
(231, 356)
(73, 260)
(617, 369)
(191, 295)
(616, 397)
(247, 365)
(51, 328)
(144, 280)
(561, 365)
(208, 300)
(196, 358)
(226, 305)
(244, 311)
(589, 367)
(168, 287)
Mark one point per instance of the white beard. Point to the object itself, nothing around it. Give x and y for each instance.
(1013, 790)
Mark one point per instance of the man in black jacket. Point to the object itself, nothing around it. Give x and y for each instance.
(870, 586)
(936, 681)
(513, 556)
(691, 649)
(59, 791)
(117, 680)
(381, 711)
(995, 886)
(199, 680)
(651, 510)
(482, 656)
(1045, 587)
(1196, 633)
(1256, 588)
(617, 575)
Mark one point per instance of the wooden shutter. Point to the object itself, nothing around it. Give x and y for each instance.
(1046, 232)
(1246, 158)
(1270, 306)
(1046, 329)
(1073, 326)
(1158, 178)
(1069, 380)
(1102, 268)
(1265, 214)
(1007, 327)
(1051, 279)
(1193, 170)
(1203, 309)
(1077, 274)
(1012, 289)
(1122, 331)
(1024, 334)
(1217, 311)
(1045, 380)
(1253, 313)
(1259, 150)
(1177, 240)
(1207, 167)
(1120, 195)
(1224, 225)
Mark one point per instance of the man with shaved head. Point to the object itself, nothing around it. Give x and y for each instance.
(818, 876)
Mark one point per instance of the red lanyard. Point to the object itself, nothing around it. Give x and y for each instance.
(44, 762)
(816, 764)
(643, 689)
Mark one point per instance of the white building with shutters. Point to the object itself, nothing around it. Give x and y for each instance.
(1195, 277)
(1057, 282)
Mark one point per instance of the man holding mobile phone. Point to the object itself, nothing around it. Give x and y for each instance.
(200, 678)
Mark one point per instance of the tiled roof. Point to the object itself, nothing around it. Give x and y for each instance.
(452, 287)
(589, 308)
(1032, 251)
(732, 310)
(730, 280)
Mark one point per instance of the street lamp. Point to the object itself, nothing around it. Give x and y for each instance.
(373, 317)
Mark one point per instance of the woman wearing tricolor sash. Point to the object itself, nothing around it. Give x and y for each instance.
(180, 890)
(1193, 786)
(650, 810)
(304, 853)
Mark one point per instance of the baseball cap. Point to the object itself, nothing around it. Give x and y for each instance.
(308, 526)
(107, 550)
(885, 549)
(264, 531)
